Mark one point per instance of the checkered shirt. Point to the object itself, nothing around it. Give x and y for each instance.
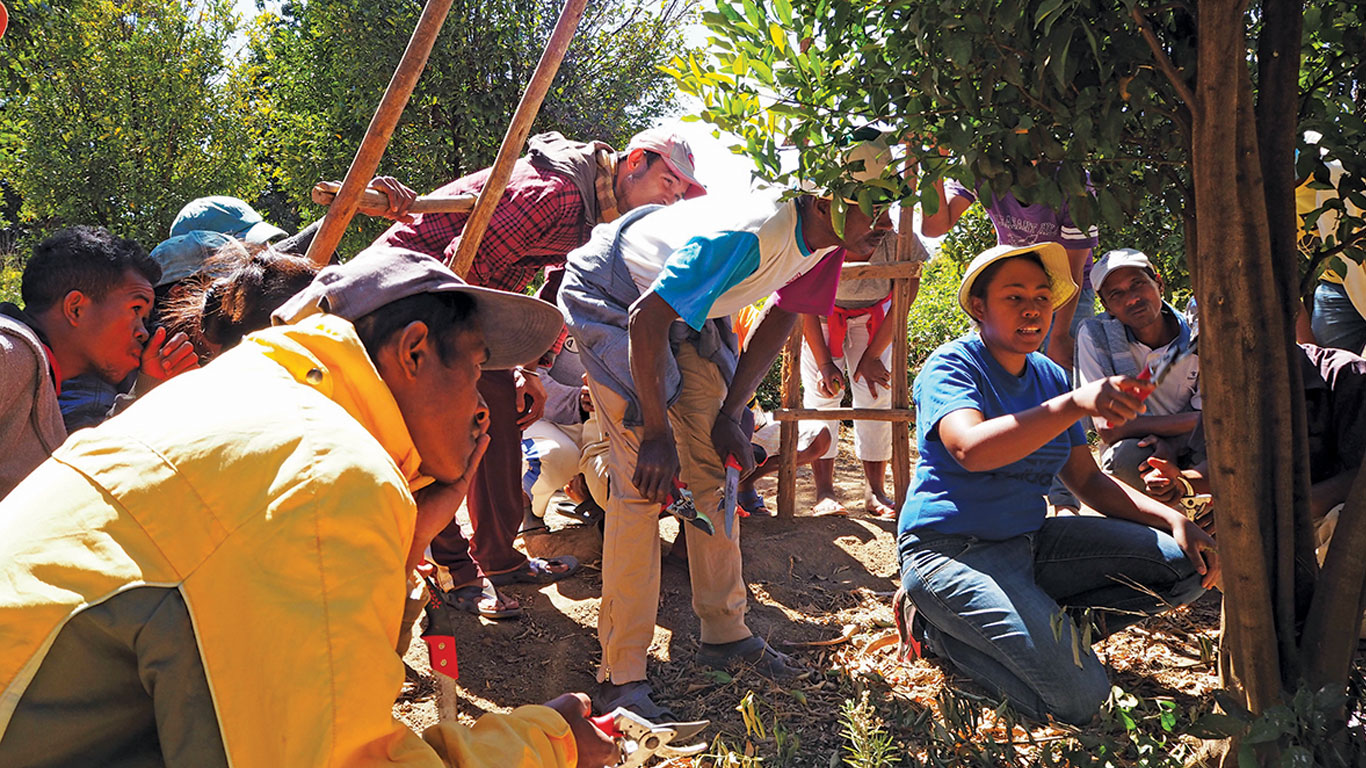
(536, 224)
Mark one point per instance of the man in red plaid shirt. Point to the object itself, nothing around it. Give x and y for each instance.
(554, 198)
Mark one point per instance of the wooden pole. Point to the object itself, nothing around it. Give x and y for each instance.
(901, 396)
(516, 136)
(787, 430)
(854, 414)
(380, 130)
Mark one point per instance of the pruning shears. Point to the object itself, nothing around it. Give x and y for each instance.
(439, 635)
(681, 506)
(641, 739)
(1157, 373)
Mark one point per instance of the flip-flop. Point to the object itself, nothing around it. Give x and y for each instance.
(753, 651)
(829, 508)
(542, 528)
(480, 599)
(536, 570)
(636, 697)
(586, 511)
(872, 509)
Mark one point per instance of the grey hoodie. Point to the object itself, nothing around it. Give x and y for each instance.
(30, 420)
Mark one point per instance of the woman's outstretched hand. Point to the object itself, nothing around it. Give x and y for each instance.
(1115, 399)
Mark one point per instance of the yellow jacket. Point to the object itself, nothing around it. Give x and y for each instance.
(274, 490)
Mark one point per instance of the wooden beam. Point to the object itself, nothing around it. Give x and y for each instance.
(854, 414)
(890, 271)
(376, 203)
(516, 135)
(377, 135)
(787, 430)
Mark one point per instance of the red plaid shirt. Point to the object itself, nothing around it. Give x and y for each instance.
(536, 224)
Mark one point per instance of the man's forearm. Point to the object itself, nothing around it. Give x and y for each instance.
(765, 342)
(1325, 495)
(815, 339)
(648, 334)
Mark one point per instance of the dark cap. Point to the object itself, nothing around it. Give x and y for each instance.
(517, 329)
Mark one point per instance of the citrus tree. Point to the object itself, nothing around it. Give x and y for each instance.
(1200, 108)
(117, 113)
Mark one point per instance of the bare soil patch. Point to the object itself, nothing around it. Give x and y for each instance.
(811, 580)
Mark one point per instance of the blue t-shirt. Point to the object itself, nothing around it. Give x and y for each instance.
(1000, 503)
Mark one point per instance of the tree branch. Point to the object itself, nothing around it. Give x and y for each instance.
(1163, 61)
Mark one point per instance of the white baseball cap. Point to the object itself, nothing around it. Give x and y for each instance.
(1119, 257)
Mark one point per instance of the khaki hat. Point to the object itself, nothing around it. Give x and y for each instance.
(677, 154)
(517, 329)
(1055, 264)
(1119, 257)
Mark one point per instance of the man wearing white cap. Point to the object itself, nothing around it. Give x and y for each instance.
(1137, 330)
(648, 301)
(554, 198)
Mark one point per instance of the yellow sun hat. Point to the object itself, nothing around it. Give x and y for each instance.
(1055, 264)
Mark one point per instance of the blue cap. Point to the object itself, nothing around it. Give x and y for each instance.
(183, 256)
(225, 215)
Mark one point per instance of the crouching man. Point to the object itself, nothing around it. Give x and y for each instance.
(647, 300)
(1136, 332)
(216, 576)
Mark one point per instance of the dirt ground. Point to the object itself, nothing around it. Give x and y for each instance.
(819, 588)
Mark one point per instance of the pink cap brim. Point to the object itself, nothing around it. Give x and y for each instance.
(695, 188)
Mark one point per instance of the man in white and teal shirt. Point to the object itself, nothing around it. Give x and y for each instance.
(648, 300)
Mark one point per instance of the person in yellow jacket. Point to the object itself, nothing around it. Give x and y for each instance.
(216, 576)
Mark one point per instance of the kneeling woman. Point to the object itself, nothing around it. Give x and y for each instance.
(998, 584)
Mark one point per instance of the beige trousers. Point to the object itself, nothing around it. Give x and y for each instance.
(630, 547)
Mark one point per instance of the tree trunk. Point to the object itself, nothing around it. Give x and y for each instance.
(1245, 353)
(1278, 71)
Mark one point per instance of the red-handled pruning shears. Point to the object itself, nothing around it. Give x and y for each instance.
(641, 739)
(681, 506)
(439, 635)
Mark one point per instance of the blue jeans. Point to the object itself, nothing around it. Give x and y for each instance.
(1001, 612)
(1335, 319)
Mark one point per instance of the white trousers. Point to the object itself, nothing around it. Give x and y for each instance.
(872, 439)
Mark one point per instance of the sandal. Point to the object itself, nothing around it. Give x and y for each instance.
(752, 503)
(538, 570)
(635, 697)
(878, 509)
(753, 651)
(482, 599)
(829, 507)
(587, 511)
